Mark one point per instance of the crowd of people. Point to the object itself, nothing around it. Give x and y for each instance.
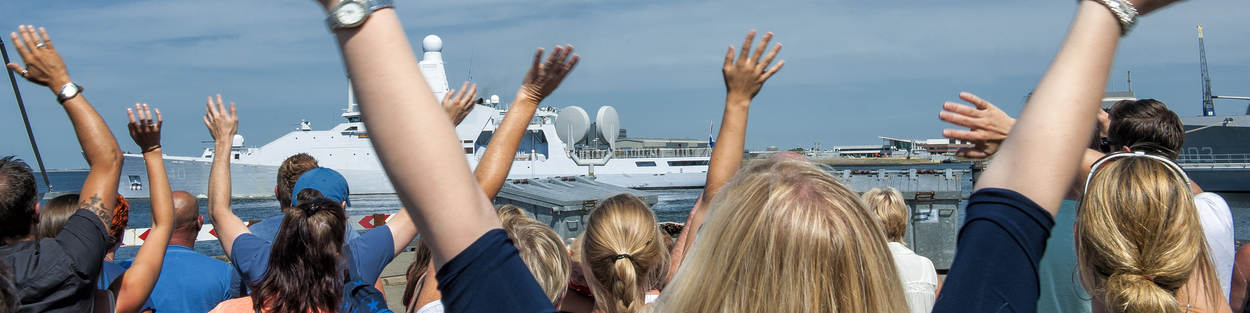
(777, 235)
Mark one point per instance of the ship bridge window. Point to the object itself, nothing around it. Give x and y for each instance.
(688, 163)
(645, 163)
(351, 129)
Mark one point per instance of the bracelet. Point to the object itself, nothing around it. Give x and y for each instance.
(152, 148)
(1124, 11)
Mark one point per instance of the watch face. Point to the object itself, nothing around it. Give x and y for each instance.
(350, 13)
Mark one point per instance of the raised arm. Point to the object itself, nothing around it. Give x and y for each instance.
(458, 104)
(1040, 158)
(222, 125)
(139, 280)
(414, 139)
(45, 67)
(744, 77)
(541, 80)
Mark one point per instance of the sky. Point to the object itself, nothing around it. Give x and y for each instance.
(855, 70)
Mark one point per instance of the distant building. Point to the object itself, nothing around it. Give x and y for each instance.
(1111, 97)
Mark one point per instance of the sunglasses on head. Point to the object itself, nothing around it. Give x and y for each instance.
(1171, 165)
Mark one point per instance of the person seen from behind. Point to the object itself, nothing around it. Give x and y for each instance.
(58, 274)
(916, 273)
(190, 281)
(624, 254)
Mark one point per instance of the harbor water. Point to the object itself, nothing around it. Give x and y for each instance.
(673, 206)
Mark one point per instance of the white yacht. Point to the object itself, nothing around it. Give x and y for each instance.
(559, 143)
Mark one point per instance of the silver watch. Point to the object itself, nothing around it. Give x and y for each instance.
(352, 13)
(68, 91)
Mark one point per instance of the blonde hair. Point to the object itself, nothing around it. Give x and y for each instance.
(785, 236)
(540, 248)
(1138, 237)
(888, 208)
(624, 253)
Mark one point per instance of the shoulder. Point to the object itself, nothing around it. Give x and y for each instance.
(1210, 200)
(243, 304)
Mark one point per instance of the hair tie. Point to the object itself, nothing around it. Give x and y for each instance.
(618, 257)
(1148, 277)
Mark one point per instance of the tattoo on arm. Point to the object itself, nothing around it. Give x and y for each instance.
(95, 204)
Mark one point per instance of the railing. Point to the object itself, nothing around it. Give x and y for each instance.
(639, 153)
(1213, 158)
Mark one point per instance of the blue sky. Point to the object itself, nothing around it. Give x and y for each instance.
(855, 69)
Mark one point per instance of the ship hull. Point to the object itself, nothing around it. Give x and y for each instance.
(1216, 154)
(258, 181)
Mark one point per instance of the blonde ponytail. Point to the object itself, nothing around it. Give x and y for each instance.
(623, 254)
(1139, 240)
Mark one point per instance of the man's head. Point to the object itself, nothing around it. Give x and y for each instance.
(288, 173)
(187, 219)
(1146, 125)
(18, 196)
(328, 182)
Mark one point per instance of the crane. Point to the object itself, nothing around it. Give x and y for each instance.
(1208, 105)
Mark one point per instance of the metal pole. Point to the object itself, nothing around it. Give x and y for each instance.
(29, 134)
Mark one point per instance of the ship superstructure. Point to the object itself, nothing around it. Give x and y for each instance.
(558, 143)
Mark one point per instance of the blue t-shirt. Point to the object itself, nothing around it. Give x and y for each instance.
(489, 276)
(1000, 245)
(366, 256)
(191, 282)
(109, 273)
(1061, 286)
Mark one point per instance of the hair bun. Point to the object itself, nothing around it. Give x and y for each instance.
(1126, 292)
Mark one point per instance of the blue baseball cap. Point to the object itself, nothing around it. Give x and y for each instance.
(329, 182)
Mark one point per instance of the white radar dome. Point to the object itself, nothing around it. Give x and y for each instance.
(238, 140)
(432, 43)
(494, 99)
(608, 124)
(571, 124)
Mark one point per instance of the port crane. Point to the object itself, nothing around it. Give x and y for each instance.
(1208, 103)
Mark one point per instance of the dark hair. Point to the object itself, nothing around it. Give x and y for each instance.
(1146, 125)
(17, 198)
(289, 172)
(304, 269)
(54, 215)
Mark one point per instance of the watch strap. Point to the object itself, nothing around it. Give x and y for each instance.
(62, 95)
(370, 5)
(1124, 12)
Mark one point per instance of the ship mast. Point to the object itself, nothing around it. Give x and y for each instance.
(1208, 106)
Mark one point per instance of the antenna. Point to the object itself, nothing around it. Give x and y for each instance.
(22, 107)
(1208, 107)
(1130, 81)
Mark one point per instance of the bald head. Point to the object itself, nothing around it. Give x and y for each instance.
(186, 210)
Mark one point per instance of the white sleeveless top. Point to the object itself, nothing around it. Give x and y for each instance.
(918, 276)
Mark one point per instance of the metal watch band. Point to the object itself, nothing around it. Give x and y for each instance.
(1124, 11)
(370, 5)
(61, 95)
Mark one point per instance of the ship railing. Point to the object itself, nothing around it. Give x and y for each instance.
(641, 153)
(1231, 158)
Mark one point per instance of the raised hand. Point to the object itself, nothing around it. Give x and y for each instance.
(746, 75)
(222, 124)
(544, 77)
(145, 131)
(987, 125)
(460, 104)
(44, 65)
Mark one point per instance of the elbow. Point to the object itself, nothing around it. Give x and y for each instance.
(110, 159)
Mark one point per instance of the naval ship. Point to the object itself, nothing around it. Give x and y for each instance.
(559, 143)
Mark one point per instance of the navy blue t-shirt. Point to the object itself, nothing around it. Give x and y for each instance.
(1000, 245)
(489, 276)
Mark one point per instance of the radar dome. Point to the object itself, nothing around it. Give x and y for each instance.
(432, 43)
(608, 124)
(238, 140)
(494, 99)
(572, 124)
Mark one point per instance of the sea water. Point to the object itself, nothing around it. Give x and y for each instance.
(674, 205)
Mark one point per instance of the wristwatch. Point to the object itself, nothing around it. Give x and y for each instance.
(67, 91)
(352, 13)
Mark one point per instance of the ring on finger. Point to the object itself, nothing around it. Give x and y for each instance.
(25, 72)
(41, 44)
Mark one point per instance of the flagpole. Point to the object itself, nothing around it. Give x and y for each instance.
(29, 133)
